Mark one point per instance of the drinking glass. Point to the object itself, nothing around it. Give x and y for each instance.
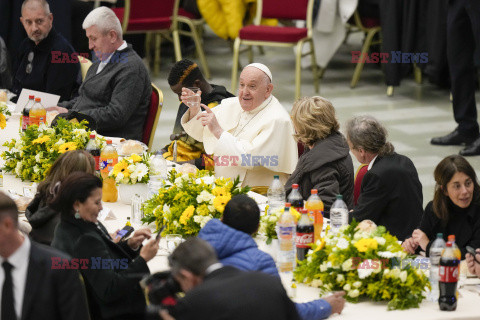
(173, 240)
(194, 100)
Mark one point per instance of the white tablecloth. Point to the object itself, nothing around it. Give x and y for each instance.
(468, 303)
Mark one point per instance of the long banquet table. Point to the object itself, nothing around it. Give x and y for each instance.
(468, 302)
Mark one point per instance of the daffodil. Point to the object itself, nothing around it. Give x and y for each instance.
(68, 146)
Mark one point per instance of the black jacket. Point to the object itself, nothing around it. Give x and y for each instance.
(391, 195)
(113, 292)
(50, 293)
(328, 168)
(228, 293)
(43, 220)
(60, 78)
(463, 223)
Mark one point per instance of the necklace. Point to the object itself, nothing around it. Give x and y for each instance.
(235, 133)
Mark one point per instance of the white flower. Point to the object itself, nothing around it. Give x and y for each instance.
(364, 273)
(36, 169)
(208, 179)
(204, 221)
(119, 177)
(205, 196)
(211, 208)
(141, 170)
(386, 272)
(59, 142)
(176, 224)
(357, 284)
(340, 278)
(179, 182)
(18, 168)
(272, 218)
(18, 145)
(342, 243)
(309, 259)
(403, 276)
(380, 240)
(80, 132)
(395, 273)
(386, 254)
(347, 287)
(166, 208)
(354, 293)
(347, 265)
(323, 267)
(38, 157)
(42, 127)
(317, 283)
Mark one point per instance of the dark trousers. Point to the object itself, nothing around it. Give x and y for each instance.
(463, 35)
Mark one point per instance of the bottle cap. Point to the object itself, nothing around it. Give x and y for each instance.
(294, 186)
(287, 205)
(38, 99)
(339, 197)
(314, 191)
(31, 97)
(451, 238)
(439, 235)
(92, 136)
(109, 141)
(276, 177)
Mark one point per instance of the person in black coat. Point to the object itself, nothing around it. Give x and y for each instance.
(213, 291)
(113, 270)
(32, 289)
(391, 192)
(41, 217)
(326, 164)
(455, 209)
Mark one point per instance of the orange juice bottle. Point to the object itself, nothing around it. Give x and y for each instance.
(314, 205)
(37, 114)
(108, 158)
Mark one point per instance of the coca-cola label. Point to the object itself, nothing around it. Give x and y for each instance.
(97, 162)
(304, 240)
(448, 273)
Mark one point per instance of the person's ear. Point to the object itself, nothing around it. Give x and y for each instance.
(113, 36)
(76, 205)
(269, 90)
(50, 17)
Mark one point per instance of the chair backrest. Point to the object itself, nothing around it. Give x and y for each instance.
(84, 66)
(153, 114)
(144, 12)
(285, 9)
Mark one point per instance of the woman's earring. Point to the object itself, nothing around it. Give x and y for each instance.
(77, 215)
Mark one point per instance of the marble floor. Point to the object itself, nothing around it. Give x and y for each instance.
(414, 114)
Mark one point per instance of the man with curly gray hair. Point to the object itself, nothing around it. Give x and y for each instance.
(391, 192)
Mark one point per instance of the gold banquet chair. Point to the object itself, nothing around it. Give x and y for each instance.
(84, 66)
(278, 36)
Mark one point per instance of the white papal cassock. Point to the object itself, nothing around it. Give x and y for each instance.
(255, 145)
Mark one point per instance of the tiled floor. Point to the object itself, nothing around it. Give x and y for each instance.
(412, 116)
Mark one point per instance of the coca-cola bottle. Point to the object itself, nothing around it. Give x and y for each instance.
(295, 198)
(448, 273)
(94, 150)
(304, 238)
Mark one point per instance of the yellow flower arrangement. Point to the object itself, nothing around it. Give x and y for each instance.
(364, 261)
(187, 201)
(68, 146)
(133, 169)
(31, 156)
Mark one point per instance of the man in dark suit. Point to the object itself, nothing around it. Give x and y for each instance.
(217, 292)
(31, 289)
(463, 34)
(391, 192)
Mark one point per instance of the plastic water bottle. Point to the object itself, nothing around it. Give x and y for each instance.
(435, 253)
(275, 195)
(338, 214)
(286, 241)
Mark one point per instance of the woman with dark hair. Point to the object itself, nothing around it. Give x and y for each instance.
(455, 208)
(326, 164)
(113, 270)
(41, 217)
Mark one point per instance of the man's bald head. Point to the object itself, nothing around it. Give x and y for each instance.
(32, 4)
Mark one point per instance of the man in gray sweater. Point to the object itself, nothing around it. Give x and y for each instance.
(116, 90)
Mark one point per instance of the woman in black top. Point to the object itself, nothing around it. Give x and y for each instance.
(111, 271)
(455, 209)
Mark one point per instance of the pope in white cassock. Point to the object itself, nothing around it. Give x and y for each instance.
(250, 136)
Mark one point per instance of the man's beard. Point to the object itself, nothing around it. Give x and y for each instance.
(38, 37)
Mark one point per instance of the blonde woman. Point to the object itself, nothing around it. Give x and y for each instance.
(326, 164)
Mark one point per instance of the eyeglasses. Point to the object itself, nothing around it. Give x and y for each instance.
(29, 68)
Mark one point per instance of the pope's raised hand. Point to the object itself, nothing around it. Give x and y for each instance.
(208, 119)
